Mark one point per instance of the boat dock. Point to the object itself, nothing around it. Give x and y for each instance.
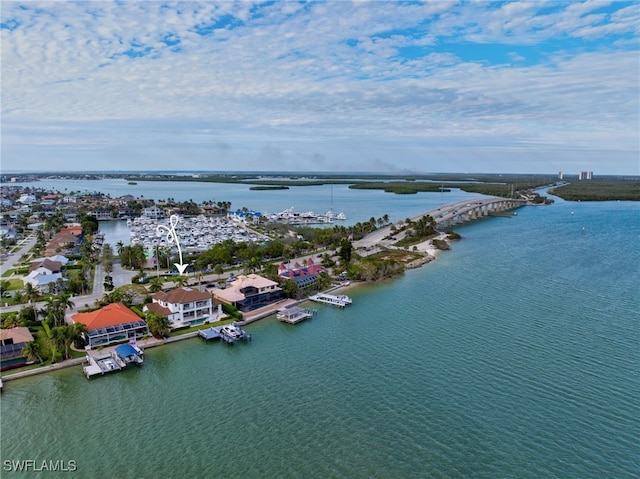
(229, 334)
(294, 314)
(102, 364)
(130, 354)
(340, 300)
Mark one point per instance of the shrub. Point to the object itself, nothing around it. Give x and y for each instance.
(231, 311)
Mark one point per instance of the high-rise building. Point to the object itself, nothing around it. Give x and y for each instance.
(585, 175)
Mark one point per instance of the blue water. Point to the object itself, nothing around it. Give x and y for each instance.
(357, 205)
(514, 355)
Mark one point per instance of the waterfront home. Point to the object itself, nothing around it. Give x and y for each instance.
(185, 307)
(68, 236)
(153, 212)
(75, 230)
(101, 214)
(11, 343)
(249, 292)
(304, 275)
(113, 323)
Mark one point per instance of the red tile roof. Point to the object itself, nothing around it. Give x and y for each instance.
(110, 315)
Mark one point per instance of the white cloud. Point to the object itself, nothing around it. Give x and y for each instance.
(322, 77)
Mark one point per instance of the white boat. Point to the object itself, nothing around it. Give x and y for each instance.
(340, 300)
(232, 331)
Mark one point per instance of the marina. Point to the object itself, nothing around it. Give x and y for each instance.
(194, 234)
(308, 217)
(229, 334)
(340, 300)
(294, 314)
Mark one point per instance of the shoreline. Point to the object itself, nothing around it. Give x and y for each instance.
(425, 247)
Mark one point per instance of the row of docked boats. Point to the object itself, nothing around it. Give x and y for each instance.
(309, 217)
(196, 234)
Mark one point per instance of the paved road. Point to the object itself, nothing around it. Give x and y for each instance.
(14, 258)
(441, 215)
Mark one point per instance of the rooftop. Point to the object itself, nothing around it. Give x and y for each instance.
(110, 315)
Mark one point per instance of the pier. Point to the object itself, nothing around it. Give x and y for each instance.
(101, 364)
(228, 334)
(340, 300)
(294, 314)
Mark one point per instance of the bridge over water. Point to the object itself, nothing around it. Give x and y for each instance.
(449, 215)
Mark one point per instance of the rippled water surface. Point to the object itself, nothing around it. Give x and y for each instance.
(515, 355)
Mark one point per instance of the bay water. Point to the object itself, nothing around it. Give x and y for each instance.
(514, 355)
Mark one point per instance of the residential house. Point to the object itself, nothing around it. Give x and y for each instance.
(27, 199)
(153, 212)
(43, 282)
(185, 307)
(304, 275)
(101, 214)
(113, 323)
(250, 292)
(46, 266)
(11, 344)
(63, 260)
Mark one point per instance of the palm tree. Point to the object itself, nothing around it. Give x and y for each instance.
(155, 284)
(32, 295)
(198, 275)
(65, 303)
(159, 326)
(11, 321)
(79, 332)
(31, 351)
(119, 247)
(56, 341)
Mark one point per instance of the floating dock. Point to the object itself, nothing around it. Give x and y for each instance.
(229, 334)
(340, 300)
(294, 314)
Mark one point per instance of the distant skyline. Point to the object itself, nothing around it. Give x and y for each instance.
(395, 87)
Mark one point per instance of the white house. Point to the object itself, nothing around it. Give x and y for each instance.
(27, 199)
(185, 307)
(42, 281)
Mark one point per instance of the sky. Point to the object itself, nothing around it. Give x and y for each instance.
(335, 86)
